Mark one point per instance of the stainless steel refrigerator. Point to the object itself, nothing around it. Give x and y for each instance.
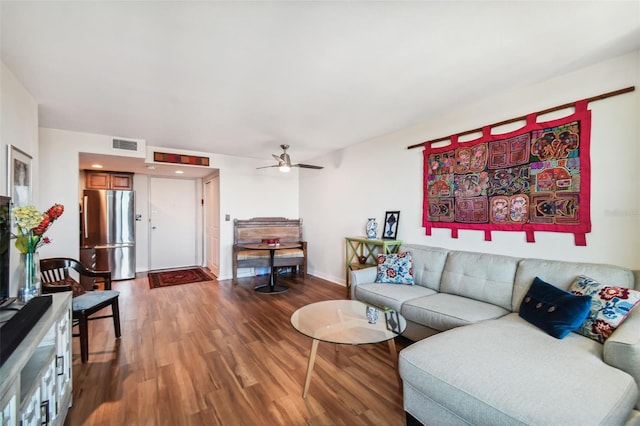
(107, 227)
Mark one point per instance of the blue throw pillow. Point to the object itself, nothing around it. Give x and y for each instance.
(553, 310)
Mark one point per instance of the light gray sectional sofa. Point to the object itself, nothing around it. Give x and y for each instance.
(477, 362)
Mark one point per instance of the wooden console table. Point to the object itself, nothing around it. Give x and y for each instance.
(362, 246)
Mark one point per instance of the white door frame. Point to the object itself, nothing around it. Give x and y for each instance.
(212, 233)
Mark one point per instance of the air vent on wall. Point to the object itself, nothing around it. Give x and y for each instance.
(125, 144)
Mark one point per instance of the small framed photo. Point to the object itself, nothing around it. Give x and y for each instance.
(390, 230)
(19, 178)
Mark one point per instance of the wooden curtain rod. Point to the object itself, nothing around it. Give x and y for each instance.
(524, 117)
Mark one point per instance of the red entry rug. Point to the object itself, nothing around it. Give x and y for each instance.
(177, 277)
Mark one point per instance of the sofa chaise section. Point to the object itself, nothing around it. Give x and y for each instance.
(509, 372)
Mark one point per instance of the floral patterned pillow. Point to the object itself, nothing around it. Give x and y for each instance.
(395, 268)
(610, 306)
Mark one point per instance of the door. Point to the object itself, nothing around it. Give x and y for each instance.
(212, 219)
(172, 218)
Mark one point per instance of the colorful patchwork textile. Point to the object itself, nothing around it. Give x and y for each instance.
(610, 306)
(533, 179)
(395, 268)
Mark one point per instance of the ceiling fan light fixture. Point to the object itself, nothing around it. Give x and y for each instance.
(284, 162)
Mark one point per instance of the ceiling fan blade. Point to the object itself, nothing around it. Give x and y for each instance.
(277, 157)
(308, 166)
(266, 167)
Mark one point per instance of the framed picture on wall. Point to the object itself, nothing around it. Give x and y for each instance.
(390, 230)
(19, 177)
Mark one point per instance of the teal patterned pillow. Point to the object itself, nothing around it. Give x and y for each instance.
(610, 306)
(395, 268)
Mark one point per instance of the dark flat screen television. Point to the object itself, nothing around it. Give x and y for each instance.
(5, 238)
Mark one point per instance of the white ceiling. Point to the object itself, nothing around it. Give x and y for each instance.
(241, 78)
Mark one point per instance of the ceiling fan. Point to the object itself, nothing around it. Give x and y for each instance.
(284, 161)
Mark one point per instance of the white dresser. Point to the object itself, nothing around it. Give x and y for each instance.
(36, 380)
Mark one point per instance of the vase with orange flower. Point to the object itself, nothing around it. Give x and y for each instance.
(31, 226)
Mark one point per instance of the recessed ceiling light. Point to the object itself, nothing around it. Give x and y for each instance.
(96, 166)
(179, 172)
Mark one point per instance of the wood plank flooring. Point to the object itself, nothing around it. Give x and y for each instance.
(217, 354)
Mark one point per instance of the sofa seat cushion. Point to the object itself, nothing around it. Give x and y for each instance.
(389, 295)
(444, 311)
(259, 254)
(507, 371)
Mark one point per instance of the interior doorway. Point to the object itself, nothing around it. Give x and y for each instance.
(172, 220)
(212, 224)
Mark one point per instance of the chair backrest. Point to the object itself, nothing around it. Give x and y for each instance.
(258, 228)
(56, 269)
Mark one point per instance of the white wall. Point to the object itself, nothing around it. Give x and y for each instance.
(244, 191)
(375, 176)
(18, 127)
(18, 124)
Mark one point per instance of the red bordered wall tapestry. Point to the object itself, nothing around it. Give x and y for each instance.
(536, 178)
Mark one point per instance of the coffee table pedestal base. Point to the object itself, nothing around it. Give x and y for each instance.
(267, 289)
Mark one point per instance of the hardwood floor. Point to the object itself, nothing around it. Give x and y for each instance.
(217, 354)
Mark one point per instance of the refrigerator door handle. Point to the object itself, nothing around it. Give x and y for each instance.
(84, 217)
(109, 246)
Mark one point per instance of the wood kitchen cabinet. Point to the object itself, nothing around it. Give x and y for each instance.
(109, 180)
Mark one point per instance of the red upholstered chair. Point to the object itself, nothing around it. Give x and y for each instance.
(86, 301)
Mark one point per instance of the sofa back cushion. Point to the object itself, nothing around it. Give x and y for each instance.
(485, 277)
(428, 263)
(563, 274)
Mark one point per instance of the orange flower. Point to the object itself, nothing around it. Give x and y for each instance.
(30, 237)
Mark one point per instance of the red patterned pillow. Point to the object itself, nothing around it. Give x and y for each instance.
(67, 284)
